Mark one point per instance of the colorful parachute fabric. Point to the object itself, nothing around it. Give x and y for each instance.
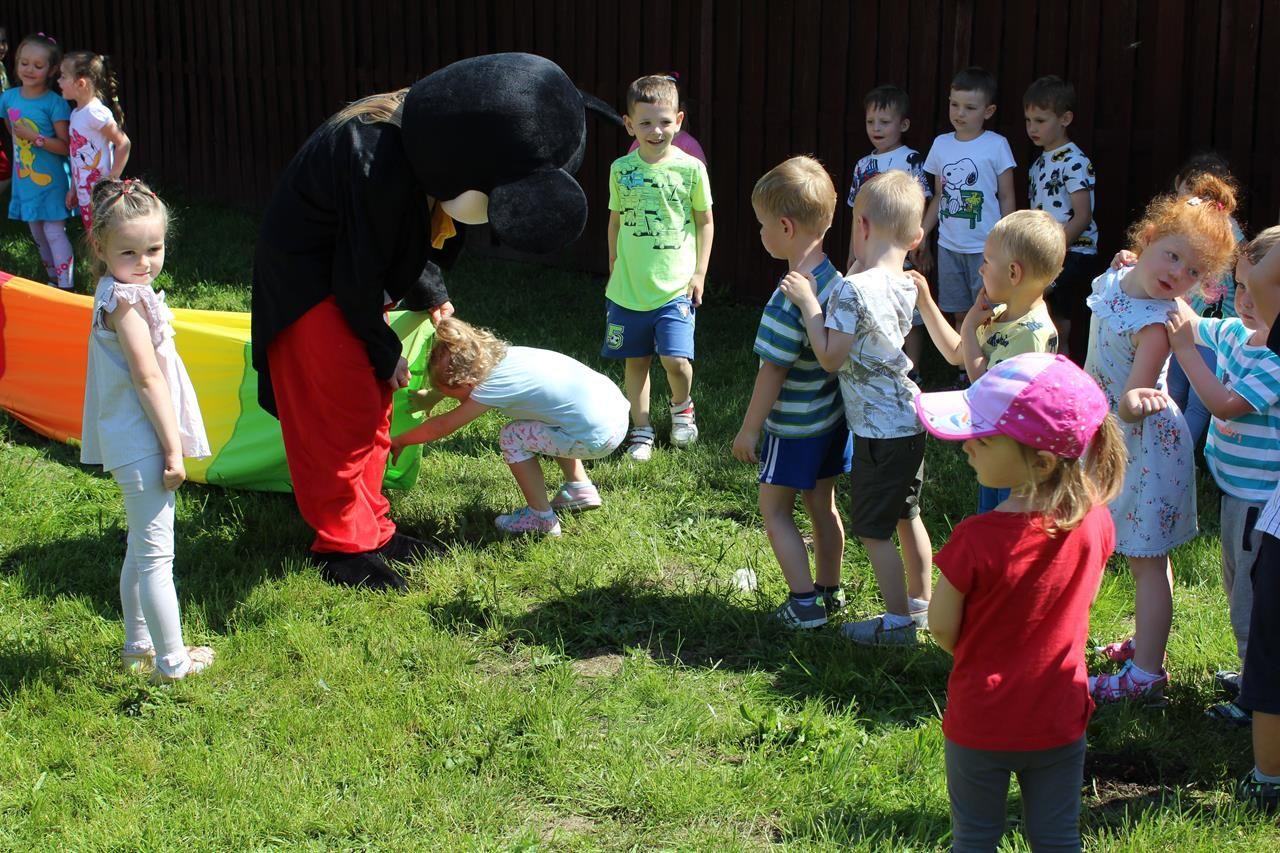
(44, 350)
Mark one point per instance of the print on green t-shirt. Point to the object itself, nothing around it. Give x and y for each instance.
(657, 241)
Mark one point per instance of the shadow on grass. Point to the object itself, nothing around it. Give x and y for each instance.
(707, 629)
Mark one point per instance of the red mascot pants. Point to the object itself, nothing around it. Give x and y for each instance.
(335, 415)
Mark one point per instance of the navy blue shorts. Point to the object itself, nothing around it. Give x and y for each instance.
(799, 463)
(666, 330)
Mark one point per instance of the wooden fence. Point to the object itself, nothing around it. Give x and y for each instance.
(219, 94)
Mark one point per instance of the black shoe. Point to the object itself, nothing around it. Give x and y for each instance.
(1263, 796)
(407, 549)
(366, 569)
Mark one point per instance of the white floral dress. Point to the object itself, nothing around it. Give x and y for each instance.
(1156, 509)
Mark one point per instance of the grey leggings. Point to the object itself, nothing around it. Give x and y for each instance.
(1050, 779)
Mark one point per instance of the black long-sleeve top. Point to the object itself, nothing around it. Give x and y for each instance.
(347, 219)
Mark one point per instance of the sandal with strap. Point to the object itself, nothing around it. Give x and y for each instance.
(199, 659)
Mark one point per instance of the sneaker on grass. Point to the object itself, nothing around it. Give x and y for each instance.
(638, 444)
(1131, 683)
(576, 497)
(833, 599)
(887, 629)
(528, 520)
(684, 431)
(797, 616)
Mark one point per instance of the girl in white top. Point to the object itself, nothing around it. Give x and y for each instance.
(99, 147)
(141, 419)
(559, 408)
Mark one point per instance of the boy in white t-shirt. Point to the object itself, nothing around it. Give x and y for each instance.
(1060, 182)
(973, 174)
(888, 110)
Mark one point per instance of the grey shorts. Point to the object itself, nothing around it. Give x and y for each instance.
(958, 280)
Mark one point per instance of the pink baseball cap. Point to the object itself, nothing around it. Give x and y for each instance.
(1038, 399)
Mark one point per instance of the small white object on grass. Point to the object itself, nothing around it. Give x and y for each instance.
(745, 580)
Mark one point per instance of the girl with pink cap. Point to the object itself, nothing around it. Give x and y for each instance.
(1012, 603)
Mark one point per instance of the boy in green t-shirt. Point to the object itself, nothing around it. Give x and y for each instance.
(659, 243)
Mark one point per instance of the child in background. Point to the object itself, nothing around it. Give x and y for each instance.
(38, 120)
(1182, 242)
(1060, 182)
(558, 406)
(1261, 692)
(867, 317)
(973, 171)
(1013, 600)
(1022, 255)
(4, 57)
(1213, 300)
(660, 233)
(99, 147)
(1243, 450)
(683, 139)
(888, 109)
(795, 401)
(141, 419)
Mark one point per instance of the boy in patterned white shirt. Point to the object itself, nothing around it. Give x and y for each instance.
(888, 118)
(1060, 182)
(872, 308)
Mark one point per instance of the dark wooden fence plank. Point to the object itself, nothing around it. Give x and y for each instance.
(219, 94)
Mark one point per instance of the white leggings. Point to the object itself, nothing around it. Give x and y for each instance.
(55, 251)
(147, 596)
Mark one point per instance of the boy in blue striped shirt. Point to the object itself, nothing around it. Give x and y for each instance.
(795, 401)
(1243, 448)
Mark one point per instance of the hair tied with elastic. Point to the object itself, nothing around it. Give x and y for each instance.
(49, 39)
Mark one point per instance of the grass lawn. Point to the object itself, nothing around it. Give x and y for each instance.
(607, 690)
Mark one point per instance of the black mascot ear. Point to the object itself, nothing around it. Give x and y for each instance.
(542, 213)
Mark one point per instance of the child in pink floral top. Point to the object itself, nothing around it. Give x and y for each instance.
(1181, 242)
(99, 147)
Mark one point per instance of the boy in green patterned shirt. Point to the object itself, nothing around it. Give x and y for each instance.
(660, 233)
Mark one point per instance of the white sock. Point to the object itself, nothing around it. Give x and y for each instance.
(1263, 777)
(680, 407)
(551, 513)
(893, 620)
(915, 605)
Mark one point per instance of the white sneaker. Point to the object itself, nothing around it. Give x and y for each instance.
(639, 444)
(878, 631)
(199, 658)
(684, 431)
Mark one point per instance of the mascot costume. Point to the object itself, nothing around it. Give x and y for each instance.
(364, 218)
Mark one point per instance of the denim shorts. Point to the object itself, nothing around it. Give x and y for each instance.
(666, 330)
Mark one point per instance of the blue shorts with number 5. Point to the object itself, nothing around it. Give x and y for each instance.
(666, 330)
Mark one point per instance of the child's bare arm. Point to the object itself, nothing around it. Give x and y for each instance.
(113, 134)
(134, 334)
(946, 612)
(704, 232)
(975, 360)
(768, 386)
(830, 347)
(615, 224)
(931, 212)
(852, 228)
(434, 429)
(1004, 191)
(1220, 400)
(1152, 350)
(941, 332)
(1081, 216)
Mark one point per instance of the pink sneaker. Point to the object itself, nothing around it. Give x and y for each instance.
(1118, 652)
(576, 497)
(1130, 683)
(525, 520)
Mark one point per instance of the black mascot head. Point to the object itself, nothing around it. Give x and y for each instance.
(509, 125)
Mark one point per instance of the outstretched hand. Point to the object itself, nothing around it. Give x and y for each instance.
(1139, 403)
(800, 290)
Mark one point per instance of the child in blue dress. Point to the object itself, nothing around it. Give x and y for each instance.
(38, 120)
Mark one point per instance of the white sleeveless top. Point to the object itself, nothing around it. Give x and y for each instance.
(116, 429)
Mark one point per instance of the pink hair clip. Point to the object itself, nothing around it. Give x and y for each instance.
(49, 39)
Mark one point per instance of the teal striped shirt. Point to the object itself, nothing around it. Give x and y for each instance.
(809, 403)
(1243, 454)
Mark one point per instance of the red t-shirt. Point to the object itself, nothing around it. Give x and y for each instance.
(1019, 682)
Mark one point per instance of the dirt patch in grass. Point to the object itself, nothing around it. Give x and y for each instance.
(598, 664)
